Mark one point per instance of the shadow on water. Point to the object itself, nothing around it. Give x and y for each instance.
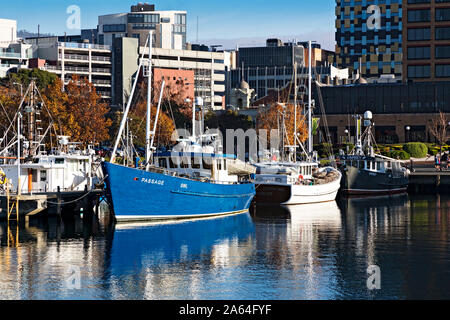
(317, 251)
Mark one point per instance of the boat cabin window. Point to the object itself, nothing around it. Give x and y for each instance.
(185, 163)
(172, 164)
(207, 163)
(162, 162)
(219, 164)
(34, 175)
(224, 164)
(195, 163)
(43, 175)
(361, 164)
(378, 166)
(59, 161)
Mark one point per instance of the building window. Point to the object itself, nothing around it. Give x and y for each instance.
(418, 1)
(141, 26)
(114, 28)
(143, 18)
(442, 52)
(136, 35)
(423, 15)
(419, 34)
(180, 18)
(419, 71)
(443, 33)
(443, 14)
(442, 70)
(418, 53)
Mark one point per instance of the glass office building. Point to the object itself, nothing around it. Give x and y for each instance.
(369, 32)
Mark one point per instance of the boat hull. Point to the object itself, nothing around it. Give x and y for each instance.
(138, 195)
(361, 182)
(297, 194)
(314, 194)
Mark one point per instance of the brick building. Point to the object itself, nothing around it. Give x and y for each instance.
(426, 39)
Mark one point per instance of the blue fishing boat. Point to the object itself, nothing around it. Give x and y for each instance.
(158, 193)
(191, 181)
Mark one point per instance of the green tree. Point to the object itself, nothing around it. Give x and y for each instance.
(24, 77)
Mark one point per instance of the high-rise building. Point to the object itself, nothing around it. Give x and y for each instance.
(169, 27)
(426, 39)
(369, 36)
(85, 60)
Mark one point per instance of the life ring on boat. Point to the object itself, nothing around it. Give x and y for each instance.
(301, 178)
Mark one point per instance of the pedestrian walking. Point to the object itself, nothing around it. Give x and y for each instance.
(437, 162)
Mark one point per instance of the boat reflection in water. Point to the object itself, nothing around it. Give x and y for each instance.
(176, 259)
(278, 253)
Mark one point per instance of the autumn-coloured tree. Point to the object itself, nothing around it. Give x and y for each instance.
(138, 115)
(272, 118)
(174, 98)
(9, 102)
(55, 100)
(87, 121)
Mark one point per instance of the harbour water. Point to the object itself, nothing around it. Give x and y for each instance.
(307, 252)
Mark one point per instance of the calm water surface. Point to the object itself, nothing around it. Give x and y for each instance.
(303, 252)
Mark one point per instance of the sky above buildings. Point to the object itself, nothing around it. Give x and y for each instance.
(230, 22)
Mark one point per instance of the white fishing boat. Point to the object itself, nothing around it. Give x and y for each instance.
(294, 182)
(32, 172)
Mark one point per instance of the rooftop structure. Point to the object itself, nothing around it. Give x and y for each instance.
(169, 27)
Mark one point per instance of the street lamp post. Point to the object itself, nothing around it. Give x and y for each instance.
(408, 134)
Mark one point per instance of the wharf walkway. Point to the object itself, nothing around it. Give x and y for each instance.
(52, 203)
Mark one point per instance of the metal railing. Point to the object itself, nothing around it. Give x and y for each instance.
(107, 82)
(79, 69)
(80, 57)
(83, 46)
(7, 54)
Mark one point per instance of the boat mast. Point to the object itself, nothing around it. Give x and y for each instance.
(295, 112)
(19, 117)
(127, 110)
(149, 104)
(156, 118)
(310, 138)
(193, 119)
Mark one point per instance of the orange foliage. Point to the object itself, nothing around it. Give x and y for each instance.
(9, 103)
(87, 121)
(272, 119)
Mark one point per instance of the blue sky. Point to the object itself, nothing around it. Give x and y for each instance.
(230, 22)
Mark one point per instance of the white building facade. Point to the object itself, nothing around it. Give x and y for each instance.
(169, 27)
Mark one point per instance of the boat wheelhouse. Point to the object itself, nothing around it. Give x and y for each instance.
(367, 173)
(50, 173)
